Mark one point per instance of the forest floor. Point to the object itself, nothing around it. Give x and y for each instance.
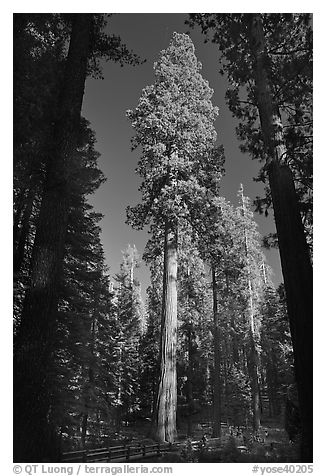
(237, 444)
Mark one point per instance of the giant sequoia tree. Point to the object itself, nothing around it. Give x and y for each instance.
(268, 60)
(174, 125)
(34, 345)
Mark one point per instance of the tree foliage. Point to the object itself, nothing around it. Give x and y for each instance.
(289, 48)
(174, 125)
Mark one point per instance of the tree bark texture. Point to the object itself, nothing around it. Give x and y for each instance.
(272, 384)
(254, 383)
(226, 385)
(253, 363)
(190, 377)
(217, 362)
(252, 358)
(294, 252)
(22, 238)
(33, 359)
(19, 203)
(166, 401)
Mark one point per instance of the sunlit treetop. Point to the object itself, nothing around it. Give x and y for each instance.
(174, 125)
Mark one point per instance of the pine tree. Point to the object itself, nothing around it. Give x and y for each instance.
(130, 319)
(277, 352)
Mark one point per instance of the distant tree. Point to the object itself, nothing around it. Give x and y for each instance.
(228, 240)
(276, 348)
(86, 364)
(253, 333)
(194, 319)
(174, 123)
(216, 228)
(130, 320)
(268, 60)
(150, 340)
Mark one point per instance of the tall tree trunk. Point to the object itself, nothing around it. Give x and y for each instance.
(217, 362)
(226, 385)
(253, 359)
(33, 359)
(294, 252)
(119, 407)
(234, 341)
(190, 376)
(254, 382)
(207, 380)
(164, 428)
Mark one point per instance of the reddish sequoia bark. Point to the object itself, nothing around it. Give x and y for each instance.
(294, 252)
(164, 428)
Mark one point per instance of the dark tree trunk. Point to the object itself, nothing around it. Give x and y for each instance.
(83, 430)
(234, 341)
(207, 380)
(22, 238)
(19, 207)
(297, 273)
(217, 362)
(33, 359)
(294, 252)
(164, 428)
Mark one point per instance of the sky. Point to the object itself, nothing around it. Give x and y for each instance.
(105, 104)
